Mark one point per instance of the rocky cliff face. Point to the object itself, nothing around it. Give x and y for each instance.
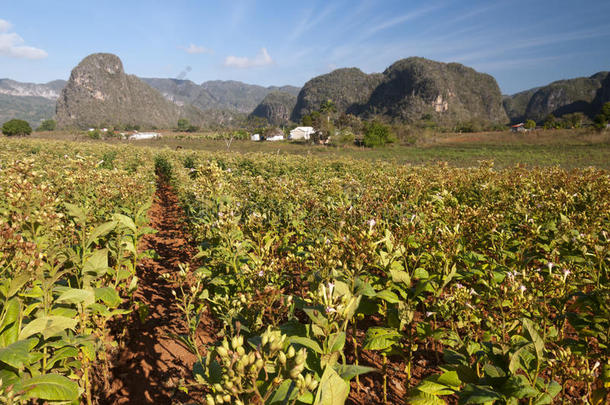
(407, 91)
(100, 93)
(449, 93)
(276, 108)
(581, 94)
(349, 89)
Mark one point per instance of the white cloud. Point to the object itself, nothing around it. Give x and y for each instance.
(262, 59)
(5, 26)
(11, 44)
(195, 49)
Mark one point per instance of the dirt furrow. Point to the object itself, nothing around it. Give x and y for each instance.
(152, 365)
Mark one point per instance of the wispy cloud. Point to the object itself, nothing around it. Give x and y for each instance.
(12, 45)
(313, 17)
(412, 15)
(197, 49)
(261, 59)
(487, 51)
(5, 26)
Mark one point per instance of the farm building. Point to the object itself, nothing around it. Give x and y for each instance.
(518, 128)
(301, 133)
(255, 137)
(144, 135)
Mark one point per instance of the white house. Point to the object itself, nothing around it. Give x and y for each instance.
(255, 137)
(277, 137)
(144, 135)
(301, 133)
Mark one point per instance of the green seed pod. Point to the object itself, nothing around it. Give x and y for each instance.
(300, 357)
(241, 351)
(234, 342)
(222, 352)
(259, 364)
(228, 385)
(227, 398)
(294, 373)
(282, 358)
(313, 385)
(217, 387)
(209, 400)
(220, 399)
(291, 352)
(251, 357)
(307, 380)
(238, 402)
(264, 340)
(225, 344)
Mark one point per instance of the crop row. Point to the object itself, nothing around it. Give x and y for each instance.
(71, 218)
(321, 271)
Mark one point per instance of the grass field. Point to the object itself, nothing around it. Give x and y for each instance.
(567, 149)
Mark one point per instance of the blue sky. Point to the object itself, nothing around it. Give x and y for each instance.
(521, 43)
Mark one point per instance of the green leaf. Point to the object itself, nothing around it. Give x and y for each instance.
(309, 343)
(108, 296)
(97, 263)
(76, 212)
(76, 296)
(518, 387)
(10, 327)
(423, 398)
(400, 276)
(48, 326)
(336, 342)
(432, 387)
(283, 394)
(17, 283)
(333, 390)
(378, 338)
(17, 354)
(51, 387)
(126, 222)
(349, 371)
(535, 338)
(476, 394)
(388, 296)
(100, 231)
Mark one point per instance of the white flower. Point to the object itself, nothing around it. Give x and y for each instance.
(330, 310)
(522, 288)
(261, 273)
(331, 287)
(459, 285)
(473, 292)
(371, 223)
(550, 265)
(229, 170)
(429, 314)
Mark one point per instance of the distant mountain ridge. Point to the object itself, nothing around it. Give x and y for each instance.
(216, 94)
(582, 94)
(407, 91)
(48, 90)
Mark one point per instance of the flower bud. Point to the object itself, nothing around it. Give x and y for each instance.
(291, 352)
(282, 357)
(219, 399)
(300, 358)
(227, 398)
(209, 400)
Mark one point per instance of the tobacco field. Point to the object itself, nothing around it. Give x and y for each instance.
(306, 280)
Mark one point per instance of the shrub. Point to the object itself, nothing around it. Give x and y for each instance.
(16, 127)
(378, 134)
(530, 124)
(95, 134)
(183, 125)
(47, 125)
(344, 137)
